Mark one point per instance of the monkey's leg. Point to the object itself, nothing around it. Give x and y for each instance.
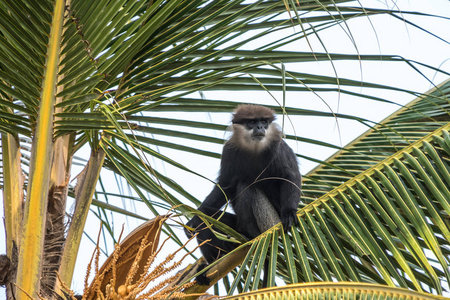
(215, 248)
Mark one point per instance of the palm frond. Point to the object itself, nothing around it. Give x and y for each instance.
(404, 127)
(332, 290)
(388, 223)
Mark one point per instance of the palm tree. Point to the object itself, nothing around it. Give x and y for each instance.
(103, 76)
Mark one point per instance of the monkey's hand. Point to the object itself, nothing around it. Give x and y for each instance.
(289, 217)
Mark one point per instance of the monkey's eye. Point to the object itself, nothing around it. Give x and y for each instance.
(264, 122)
(251, 122)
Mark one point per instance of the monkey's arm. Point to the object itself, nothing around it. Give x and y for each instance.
(290, 190)
(225, 190)
(215, 247)
(217, 198)
(211, 206)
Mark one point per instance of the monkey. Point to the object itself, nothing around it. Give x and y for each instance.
(260, 178)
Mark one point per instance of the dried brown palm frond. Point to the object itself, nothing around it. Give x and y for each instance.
(131, 269)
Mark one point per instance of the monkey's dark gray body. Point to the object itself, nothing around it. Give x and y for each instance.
(259, 176)
(248, 177)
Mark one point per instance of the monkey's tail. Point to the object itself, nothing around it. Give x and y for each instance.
(266, 273)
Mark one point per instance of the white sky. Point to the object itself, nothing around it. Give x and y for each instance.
(394, 37)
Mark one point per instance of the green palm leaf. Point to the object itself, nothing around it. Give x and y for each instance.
(406, 126)
(390, 218)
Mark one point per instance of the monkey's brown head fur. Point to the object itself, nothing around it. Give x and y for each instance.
(253, 130)
(250, 111)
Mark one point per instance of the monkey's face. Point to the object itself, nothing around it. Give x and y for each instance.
(257, 128)
(253, 130)
(254, 135)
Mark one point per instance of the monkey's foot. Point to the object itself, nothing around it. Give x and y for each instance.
(202, 279)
